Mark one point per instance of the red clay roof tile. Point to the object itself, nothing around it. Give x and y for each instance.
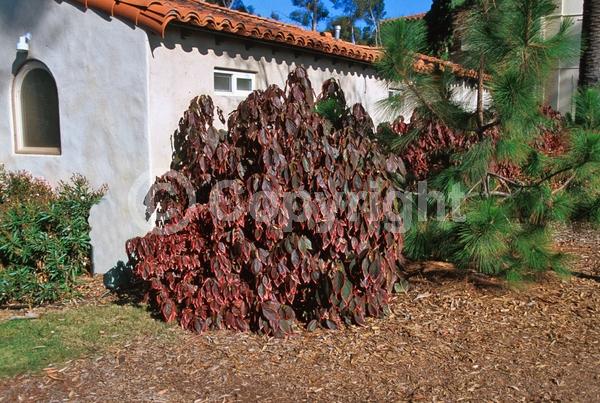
(155, 15)
(412, 17)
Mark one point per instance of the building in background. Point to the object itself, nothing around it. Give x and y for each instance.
(562, 83)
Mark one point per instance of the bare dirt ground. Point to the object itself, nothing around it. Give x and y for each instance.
(447, 340)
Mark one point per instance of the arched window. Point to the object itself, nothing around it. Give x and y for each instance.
(35, 105)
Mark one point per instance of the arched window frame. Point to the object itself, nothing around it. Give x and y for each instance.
(20, 147)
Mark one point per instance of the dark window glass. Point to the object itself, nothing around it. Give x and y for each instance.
(39, 110)
(223, 82)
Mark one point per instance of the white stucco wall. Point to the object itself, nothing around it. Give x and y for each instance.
(182, 68)
(563, 80)
(100, 67)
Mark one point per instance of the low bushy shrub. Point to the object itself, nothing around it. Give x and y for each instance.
(44, 236)
(260, 269)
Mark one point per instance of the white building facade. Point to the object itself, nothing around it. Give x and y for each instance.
(98, 87)
(562, 84)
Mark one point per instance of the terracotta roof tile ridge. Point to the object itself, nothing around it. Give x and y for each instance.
(156, 15)
(252, 16)
(411, 17)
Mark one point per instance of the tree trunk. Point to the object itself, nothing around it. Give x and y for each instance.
(480, 93)
(315, 14)
(375, 25)
(589, 73)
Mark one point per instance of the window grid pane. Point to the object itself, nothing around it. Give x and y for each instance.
(244, 84)
(223, 82)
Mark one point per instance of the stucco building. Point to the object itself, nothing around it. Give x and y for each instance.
(98, 87)
(563, 80)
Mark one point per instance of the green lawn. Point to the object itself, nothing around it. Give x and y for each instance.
(31, 345)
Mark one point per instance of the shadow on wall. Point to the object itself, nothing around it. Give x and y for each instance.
(272, 62)
(12, 13)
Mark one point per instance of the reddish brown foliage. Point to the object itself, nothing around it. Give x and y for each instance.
(433, 148)
(245, 273)
(436, 143)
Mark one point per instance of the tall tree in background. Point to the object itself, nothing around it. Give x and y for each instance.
(373, 12)
(234, 5)
(590, 60)
(446, 22)
(352, 14)
(309, 13)
(369, 11)
(350, 32)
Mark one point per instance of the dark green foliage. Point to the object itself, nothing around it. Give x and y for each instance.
(350, 32)
(331, 104)
(371, 12)
(587, 108)
(445, 25)
(233, 4)
(44, 236)
(520, 166)
(306, 14)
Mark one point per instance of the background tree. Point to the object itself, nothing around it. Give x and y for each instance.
(440, 26)
(589, 72)
(369, 11)
(352, 14)
(444, 24)
(496, 156)
(350, 32)
(373, 11)
(309, 13)
(234, 5)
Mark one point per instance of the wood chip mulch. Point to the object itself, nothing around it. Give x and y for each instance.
(446, 340)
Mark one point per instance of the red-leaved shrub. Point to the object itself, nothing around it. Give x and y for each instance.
(433, 148)
(276, 233)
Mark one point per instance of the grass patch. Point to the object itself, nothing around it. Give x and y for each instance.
(31, 345)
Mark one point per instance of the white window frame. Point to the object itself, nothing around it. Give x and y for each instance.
(392, 92)
(234, 77)
(18, 112)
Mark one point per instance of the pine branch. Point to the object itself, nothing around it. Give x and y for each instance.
(419, 96)
(480, 88)
(505, 179)
(552, 175)
(487, 126)
(564, 185)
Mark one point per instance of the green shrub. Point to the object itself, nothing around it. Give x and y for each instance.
(44, 236)
(587, 108)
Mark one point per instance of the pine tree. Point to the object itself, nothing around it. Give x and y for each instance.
(507, 216)
(590, 59)
(352, 14)
(349, 29)
(443, 22)
(309, 13)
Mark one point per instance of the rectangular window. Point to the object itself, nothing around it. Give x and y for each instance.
(392, 92)
(223, 82)
(234, 83)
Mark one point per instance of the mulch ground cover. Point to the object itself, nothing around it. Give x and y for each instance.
(446, 340)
